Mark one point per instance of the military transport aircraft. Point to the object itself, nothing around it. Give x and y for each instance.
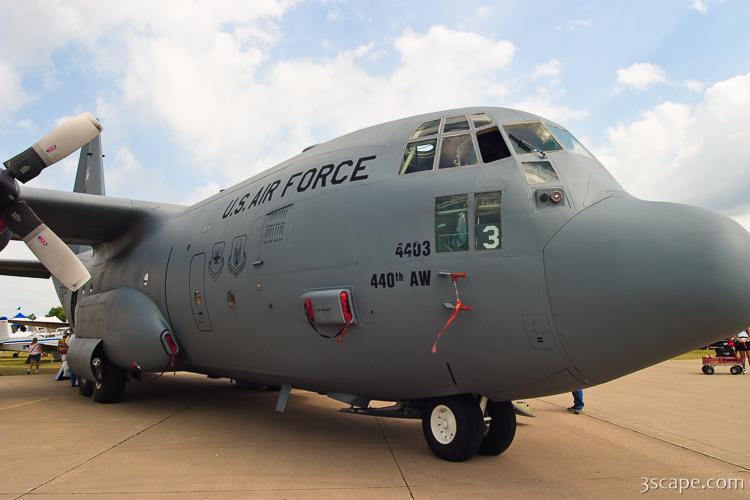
(451, 262)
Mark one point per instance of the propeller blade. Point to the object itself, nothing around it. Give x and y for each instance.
(51, 251)
(54, 146)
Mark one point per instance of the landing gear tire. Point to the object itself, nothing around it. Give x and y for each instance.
(85, 387)
(502, 428)
(453, 427)
(110, 385)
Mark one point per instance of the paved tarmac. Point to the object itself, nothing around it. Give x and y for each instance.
(189, 437)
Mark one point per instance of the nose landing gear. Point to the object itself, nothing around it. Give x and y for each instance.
(456, 429)
(502, 428)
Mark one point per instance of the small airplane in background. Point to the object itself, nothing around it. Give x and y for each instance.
(47, 331)
(450, 262)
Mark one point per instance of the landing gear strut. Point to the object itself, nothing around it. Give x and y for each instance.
(455, 428)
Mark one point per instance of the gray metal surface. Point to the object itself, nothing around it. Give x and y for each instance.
(90, 175)
(578, 292)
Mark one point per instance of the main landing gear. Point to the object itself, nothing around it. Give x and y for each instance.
(458, 427)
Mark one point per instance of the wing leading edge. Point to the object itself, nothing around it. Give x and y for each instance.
(83, 219)
(88, 219)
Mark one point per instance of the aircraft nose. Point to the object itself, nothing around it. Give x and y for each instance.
(632, 283)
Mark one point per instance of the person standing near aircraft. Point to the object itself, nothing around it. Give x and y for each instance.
(35, 354)
(577, 407)
(742, 346)
(73, 378)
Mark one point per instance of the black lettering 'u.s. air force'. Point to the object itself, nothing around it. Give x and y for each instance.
(310, 179)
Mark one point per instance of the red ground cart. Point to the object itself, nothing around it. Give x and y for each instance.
(709, 362)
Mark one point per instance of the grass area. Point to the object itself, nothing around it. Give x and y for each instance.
(17, 366)
(695, 354)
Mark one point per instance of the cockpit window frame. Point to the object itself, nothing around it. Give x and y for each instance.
(512, 143)
(472, 131)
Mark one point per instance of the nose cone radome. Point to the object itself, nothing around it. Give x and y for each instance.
(632, 283)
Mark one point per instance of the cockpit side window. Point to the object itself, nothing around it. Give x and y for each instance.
(418, 157)
(455, 124)
(457, 151)
(531, 137)
(426, 129)
(481, 120)
(569, 142)
(491, 145)
(454, 140)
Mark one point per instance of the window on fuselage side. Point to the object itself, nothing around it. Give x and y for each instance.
(455, 124)
(492, 146)
(426, 129)
(451, 223)
(539, 172)
(418, 157)
(480, 120)
(457, 151)
(487, 228)
(455, 136)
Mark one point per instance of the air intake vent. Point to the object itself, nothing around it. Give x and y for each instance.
(274, 228)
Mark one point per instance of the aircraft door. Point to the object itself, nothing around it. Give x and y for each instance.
(198, 292)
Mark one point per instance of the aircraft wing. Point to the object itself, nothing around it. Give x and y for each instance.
(34, 322)
(87, 219)
(27, 268)
(22, 345)
(83, 219)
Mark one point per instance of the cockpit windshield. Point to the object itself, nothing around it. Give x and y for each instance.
(454, 141)
(569, 142)
(531, 137)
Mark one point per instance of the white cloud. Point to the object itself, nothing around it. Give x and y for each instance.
(574, 25)
(334, 15)
(694, 85)
(688, 153)
(12, 95)
(699, 5)
(127, 176)
(543, 103)
(202, 74)
(545, 99)
(550, 69)
(641, 75)
(200, 193)
(217, 103)
(484, 11)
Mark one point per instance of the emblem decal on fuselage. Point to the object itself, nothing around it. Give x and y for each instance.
(216, 265)
(238, 255)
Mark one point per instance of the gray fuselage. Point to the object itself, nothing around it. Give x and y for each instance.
(565, 295)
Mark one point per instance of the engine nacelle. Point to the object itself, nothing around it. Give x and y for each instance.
(133, 332)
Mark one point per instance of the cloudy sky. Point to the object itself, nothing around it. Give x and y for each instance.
(197, 95)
